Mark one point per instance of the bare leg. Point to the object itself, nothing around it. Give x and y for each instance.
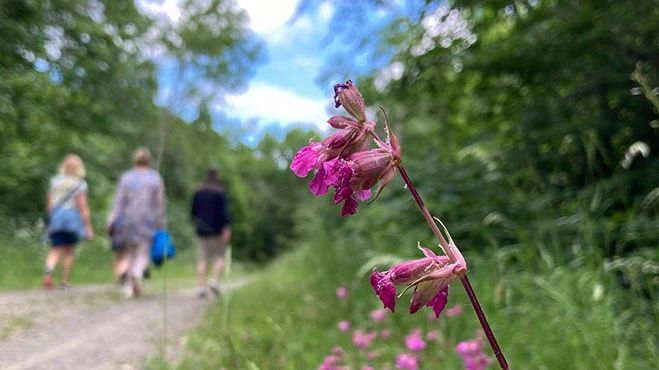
(201, 273)
(217, 268)
(69, 256)
(120, 264)
(53, 257)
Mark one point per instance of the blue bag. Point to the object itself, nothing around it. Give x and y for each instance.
(162, 246)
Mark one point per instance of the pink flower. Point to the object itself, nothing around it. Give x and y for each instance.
(368, 368)
(344, 326)
(338, 351)
(362, 340)
(414, 342)
(472, 354)
(343, 160)
(430, 276)
(341, 292)
(385, 334)
(378, 315)
(372, 355)
(306, 159)
(407, 361)
(331, 362)
(454, 310)
(432, 335)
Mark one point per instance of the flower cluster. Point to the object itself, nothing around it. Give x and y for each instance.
(471, 352)
(430, 276)
(344, 160)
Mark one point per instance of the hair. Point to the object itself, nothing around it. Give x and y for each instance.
(213, 175)
(141, 156)
(72, 165)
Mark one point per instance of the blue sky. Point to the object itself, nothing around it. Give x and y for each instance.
(284, 92)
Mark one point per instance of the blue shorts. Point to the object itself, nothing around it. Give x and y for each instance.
(62, 238)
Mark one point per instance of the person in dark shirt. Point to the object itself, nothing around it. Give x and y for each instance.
(211, 216)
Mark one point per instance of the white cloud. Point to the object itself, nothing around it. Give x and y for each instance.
(269, 104)
(156, 8)
(266, 16)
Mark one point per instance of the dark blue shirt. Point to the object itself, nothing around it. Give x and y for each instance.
(209, 210)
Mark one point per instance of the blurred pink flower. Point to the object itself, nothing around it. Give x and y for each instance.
(344, 326)
(385, 334)
(378, 315)
(341, 292)
(337, 351)
(372, 355)
(454, 310)
(368, 368)
(407, 361)
(331, 362)
(430, 276)
(414, 342)
(432, 335)
(362, 340)
(471, 352)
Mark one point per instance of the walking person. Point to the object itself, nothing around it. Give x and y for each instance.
(68, 218)
(211, 216)
(137, 213)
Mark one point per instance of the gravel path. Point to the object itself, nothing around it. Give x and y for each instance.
(93, 327)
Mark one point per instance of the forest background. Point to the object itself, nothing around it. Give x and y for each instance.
(530, 127)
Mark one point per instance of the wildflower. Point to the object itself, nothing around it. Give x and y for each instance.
(414, 342)
(407, 361)
(338, 351)
(430, 276)
(341, 292)
(351, 99)
(454, 310)
(432, 335)
(362, 340)
(378, 315)
(343, 160)
(344, 326)
(385, 334)
(471, 352)
(331, 362)
(372, 355)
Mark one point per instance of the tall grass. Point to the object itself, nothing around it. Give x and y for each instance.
(569, 316)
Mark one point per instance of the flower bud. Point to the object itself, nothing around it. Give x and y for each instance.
(351, 99)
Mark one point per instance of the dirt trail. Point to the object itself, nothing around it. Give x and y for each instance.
(93, 327)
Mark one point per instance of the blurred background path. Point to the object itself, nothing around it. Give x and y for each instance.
(94, 327)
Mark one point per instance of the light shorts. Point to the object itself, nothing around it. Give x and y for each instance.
(210, 247)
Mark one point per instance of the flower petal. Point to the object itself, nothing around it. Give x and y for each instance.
(305, 160)
(349, 207)
(384, 289)
(439, 302)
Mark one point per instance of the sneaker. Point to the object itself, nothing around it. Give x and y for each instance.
(215, 288)
(202, 293)
(64, 286)
(48, 281)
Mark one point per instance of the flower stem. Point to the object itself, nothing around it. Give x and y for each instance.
(463, 277)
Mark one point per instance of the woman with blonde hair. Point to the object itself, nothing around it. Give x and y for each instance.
(137, 213)
(68, 217)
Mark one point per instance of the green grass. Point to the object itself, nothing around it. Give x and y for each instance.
(24, 256)
(566, 317)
